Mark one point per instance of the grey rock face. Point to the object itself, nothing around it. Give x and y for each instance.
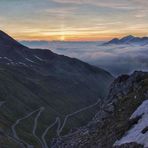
(112, 121)
(130, 145)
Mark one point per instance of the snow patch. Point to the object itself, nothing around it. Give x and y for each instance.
(142, 109)
(13, 63)
(39, 58)
(21, 63)
(135, 133)
(7, 59)
(29, 60)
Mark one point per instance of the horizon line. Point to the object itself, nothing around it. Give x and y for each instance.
(75, 40)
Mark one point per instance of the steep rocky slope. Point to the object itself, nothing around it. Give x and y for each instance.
(43, 94)
(115, 120)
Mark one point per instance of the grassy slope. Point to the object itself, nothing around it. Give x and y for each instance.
(24, 91)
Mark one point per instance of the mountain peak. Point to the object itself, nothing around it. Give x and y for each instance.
(6, 40)
(4, 35)
(113, 41)
(127, 38)
(130, 39)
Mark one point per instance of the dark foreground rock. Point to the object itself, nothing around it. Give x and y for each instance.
(112, 120)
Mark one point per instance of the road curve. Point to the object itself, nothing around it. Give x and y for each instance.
(60, 126)
(14, 133)
(46, 131)
(35, 126)
(74, 113)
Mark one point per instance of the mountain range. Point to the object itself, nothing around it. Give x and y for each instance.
(50, 100)
(128, 40)
(44, 95)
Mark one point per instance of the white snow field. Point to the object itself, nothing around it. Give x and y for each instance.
(135, 134)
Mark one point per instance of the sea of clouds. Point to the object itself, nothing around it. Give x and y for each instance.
(117, 59)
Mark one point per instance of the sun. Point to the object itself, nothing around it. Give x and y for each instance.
(62, 38)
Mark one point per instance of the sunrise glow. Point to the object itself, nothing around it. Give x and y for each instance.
(66, 20)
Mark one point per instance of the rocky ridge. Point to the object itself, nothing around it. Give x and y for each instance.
(113, 118)
(128, 40)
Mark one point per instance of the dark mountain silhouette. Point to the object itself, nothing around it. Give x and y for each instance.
(128, 40)
(38, 87)
(7, 41)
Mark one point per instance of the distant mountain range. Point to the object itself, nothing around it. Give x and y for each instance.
(128, 40)
(43, 95)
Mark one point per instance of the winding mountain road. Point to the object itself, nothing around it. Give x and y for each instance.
(61, 126)
(42, 141)
(15, 136)
(35, 126)
(14, 139)
(74, 113)
(46, 131)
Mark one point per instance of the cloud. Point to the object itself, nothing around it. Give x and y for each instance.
(114, 4)
(141, 13)
(60, 12)
(140, 2)
(117, 59)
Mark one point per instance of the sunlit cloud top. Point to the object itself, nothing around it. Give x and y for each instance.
(73, 19)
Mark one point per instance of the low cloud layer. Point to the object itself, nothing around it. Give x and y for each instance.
(117, 59)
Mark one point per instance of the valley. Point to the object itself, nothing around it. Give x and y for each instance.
(45, 94)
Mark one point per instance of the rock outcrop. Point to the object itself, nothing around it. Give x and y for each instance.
(113, 118)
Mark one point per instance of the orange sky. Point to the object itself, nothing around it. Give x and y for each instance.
(73, 20)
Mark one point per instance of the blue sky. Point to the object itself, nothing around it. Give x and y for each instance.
(73, 19)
